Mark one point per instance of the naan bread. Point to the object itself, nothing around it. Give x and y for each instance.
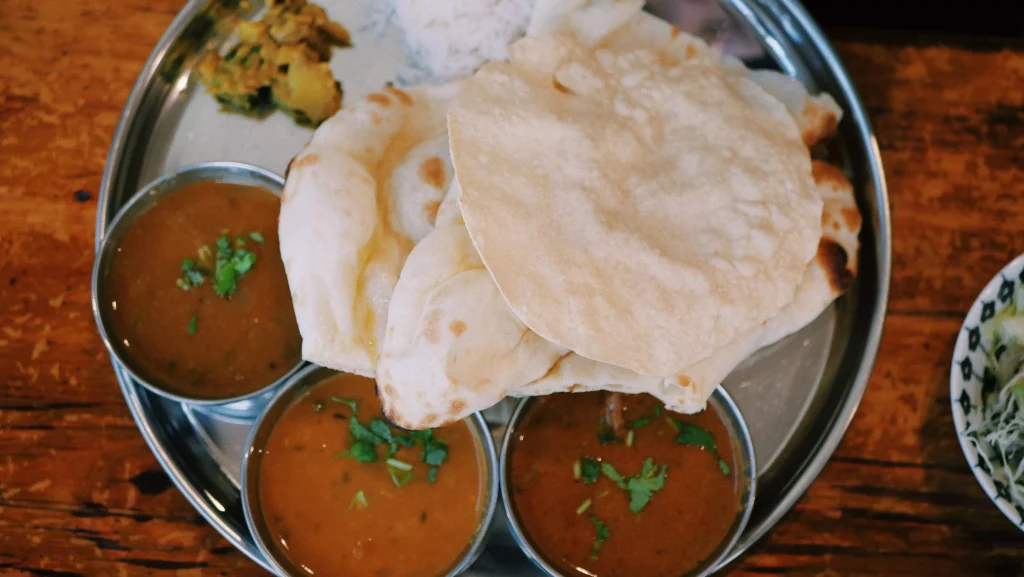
(454, 347)
(638, 211)
(365, 189)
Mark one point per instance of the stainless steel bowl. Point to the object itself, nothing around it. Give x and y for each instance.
(260, 434)
(241, 407)
(746, 479)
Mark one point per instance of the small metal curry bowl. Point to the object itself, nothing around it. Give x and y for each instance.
(238, 408)
(746, 479)
(259, 435)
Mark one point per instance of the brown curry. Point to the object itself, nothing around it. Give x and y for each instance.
(332, 511)
(184, 336)
(655, 504)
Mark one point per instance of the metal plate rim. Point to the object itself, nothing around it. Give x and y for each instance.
(822, 451)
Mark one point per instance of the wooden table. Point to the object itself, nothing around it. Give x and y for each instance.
(80, 493)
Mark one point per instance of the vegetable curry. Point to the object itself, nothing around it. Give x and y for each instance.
(654, 503)
(342, 493)
(198, 295)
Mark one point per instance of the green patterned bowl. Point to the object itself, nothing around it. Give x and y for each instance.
(973, 385)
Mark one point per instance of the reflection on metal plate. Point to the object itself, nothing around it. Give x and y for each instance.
(797, 396)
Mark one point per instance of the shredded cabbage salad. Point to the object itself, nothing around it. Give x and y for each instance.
(1001, 428)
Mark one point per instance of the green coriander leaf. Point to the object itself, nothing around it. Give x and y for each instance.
(590, 470)
(192, 325)
(350, 402)
(432, 475)
(392, 449)
(363, 452)
(436, 453)
(601, 536)
(724, 467)
(188, 264)
(657, 411)
(644, 486)
(696, 436)
(195, 277)
(239, 242)
(423, 437)
(243, 261)
(361, 433)
(256, 237)
(223, 246)
(407, 442)
(609, 471)
(183, 284)
(224, 280)
(381, 429)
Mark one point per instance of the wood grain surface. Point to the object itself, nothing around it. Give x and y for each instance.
(80, 493)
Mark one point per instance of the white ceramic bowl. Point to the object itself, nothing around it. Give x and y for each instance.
(972, 382)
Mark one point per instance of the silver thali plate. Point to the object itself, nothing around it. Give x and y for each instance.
(797, 396)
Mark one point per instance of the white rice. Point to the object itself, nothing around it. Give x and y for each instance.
(446, 39)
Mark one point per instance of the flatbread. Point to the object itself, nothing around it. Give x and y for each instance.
(685, 212)
(365, 189)
(454, 346)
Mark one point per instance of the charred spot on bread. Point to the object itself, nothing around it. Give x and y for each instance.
(833, 259)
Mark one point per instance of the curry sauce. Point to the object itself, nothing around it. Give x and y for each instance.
(329, 513)
(581, 521)
(191, 340)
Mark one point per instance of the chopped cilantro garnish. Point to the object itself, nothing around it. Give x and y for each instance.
(407, 442)
(380, 428)
(609, 471)
(602, 535)
(232, 263)
(643, 421)
(366, 438)
(256, 236)
(190, 275)
(350, 402)
(229, 265)
(693, 435)
(363, 452)
(359, 501)
(435, 451)
(641, 488)
(702, 438)
(192, 324)
(590, 470)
